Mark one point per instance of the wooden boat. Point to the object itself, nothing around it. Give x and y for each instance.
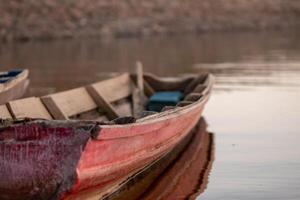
(94, 136)
(13, 84)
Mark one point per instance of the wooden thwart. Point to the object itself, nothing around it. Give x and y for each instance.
(106, 92)
(65, 104)
(102, 103)
(115, 88)
(30, 107)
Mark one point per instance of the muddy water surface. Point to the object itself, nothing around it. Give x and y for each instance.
(254, 112)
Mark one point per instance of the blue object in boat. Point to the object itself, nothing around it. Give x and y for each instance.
(162, 99)
(6, 76)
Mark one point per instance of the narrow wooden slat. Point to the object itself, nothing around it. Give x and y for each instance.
(101, 102)
(72, 102)
(29, 107)
(4, 113)
(137, 102)
(138, 97)
(139, 76)
(53, 108)
(115, 88)
(111, 90)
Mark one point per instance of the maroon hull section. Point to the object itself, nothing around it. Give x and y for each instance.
(39, 161)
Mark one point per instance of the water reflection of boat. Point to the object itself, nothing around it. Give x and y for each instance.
(188, 177)
(181, 174)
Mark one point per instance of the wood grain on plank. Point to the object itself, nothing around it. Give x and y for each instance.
(53, 108)
(29, 107)
(4, 112)
(139, 76)
(115, 88)
(101, 102)
(65, 104)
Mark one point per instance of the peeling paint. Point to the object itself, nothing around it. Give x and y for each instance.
(39, 157)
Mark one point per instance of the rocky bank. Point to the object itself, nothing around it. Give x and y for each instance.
(45, 19)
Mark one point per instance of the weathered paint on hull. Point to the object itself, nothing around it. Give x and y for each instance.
(58, 159)
(112, 157)
(182, 173)
(38, 161)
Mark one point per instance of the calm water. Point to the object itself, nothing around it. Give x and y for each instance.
(254, 112)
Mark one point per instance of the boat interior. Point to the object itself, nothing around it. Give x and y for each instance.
(8, 75)
(118, 100)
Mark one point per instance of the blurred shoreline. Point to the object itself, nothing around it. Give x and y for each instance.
(54, 19)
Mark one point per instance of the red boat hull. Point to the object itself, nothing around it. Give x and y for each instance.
(45, 159)
(180, 174)
(119, 151)
(42, 159)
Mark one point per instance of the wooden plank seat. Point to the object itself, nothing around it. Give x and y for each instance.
(64, 105)
(4, 112)
(113, 95)
(104, 100)
(108, 98)
(31, 107)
